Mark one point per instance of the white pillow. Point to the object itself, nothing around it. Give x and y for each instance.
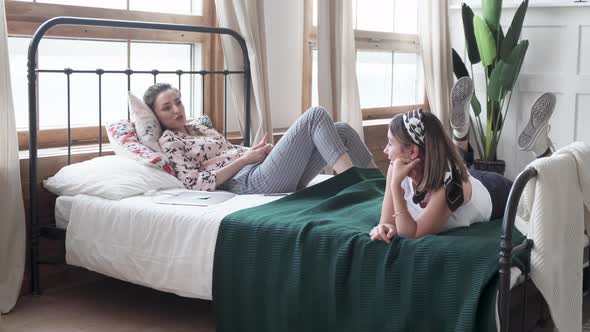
(110, 177)
(146, 123)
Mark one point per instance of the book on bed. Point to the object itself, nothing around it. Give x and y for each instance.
(194, 198)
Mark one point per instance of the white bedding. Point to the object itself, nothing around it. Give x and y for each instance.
(63, 207)
(165, 247)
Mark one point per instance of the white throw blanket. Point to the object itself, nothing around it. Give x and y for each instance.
(551, 212)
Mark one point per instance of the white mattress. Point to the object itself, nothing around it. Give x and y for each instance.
(63, 207)
(166, 247)
(63, 204)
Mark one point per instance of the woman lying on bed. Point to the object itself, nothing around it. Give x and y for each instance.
(204, 160)
(428, 186)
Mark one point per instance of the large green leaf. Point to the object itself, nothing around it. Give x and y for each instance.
(475, 105)
(505, 73)
(496, 122)
(459, 66)
(470, 43)
(492, 9)
(513, 33)
(485, 41)
(495, 89)
(515, 60)
(499, 37)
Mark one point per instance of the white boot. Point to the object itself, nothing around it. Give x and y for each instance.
(461, 94)
(534, 137)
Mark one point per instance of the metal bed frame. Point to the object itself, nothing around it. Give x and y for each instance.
(52, 232)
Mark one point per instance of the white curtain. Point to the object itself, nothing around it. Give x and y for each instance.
(435, 41)
(337, 81)
(12, 217)
(247, 18)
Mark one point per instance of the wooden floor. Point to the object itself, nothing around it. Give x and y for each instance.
(106, 304)
(103, 304)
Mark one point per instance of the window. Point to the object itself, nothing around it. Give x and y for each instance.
(115, 4)
(389, 69)
(89, 48)
(89, 55)
(169, 57)
(186, 7)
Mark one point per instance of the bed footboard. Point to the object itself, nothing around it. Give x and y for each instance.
(507, 249)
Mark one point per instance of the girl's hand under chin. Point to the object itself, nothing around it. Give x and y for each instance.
(402, 168)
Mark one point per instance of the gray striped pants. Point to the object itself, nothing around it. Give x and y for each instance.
(311, 143)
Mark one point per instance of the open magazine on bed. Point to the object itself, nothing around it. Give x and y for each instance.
(194, 198)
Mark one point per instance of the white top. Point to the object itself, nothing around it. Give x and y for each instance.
(477, 209)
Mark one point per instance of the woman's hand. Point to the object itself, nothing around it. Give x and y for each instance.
(402, 168)
(262, 142)
(258, 152)
(383, 232)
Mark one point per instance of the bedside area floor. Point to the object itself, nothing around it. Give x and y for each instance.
(96, 303)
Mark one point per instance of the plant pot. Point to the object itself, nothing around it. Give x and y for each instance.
(496, 166)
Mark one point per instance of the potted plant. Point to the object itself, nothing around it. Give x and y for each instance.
(501, 57)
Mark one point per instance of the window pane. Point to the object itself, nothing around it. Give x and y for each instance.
(186, 7)
(116, 4)
(81, 54)
(17, 52)
(314, 79)
(408, 86)
(375, 15)
(374, 74)
(406, 16)
(197, 7)
(161, 56)
(315, 13)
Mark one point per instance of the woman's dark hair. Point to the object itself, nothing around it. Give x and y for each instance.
(150, 95)
(437, 152)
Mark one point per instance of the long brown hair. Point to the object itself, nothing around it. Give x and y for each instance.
(438, 151)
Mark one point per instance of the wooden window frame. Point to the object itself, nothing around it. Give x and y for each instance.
(366, 40)
(23, 19)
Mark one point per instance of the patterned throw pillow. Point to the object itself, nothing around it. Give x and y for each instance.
(125, 142)
(145, 122)
(204, 120)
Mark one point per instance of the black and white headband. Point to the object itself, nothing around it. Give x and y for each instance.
(415, 126)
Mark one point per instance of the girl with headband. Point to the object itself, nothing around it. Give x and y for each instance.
(428, 187)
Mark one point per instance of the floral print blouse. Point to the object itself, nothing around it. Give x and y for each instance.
(197, 156)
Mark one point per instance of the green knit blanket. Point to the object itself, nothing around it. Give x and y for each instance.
(306, 263)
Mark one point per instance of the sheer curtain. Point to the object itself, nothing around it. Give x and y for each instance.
(337, 81)
(12, 219)
(247, 18)
(435, 41)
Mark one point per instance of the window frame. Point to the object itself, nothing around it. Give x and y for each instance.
(23, 19)
(364, 40)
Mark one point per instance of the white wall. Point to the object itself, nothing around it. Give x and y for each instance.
(558, 61)
(284, 40)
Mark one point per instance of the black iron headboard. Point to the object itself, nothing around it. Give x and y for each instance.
(32, 72)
